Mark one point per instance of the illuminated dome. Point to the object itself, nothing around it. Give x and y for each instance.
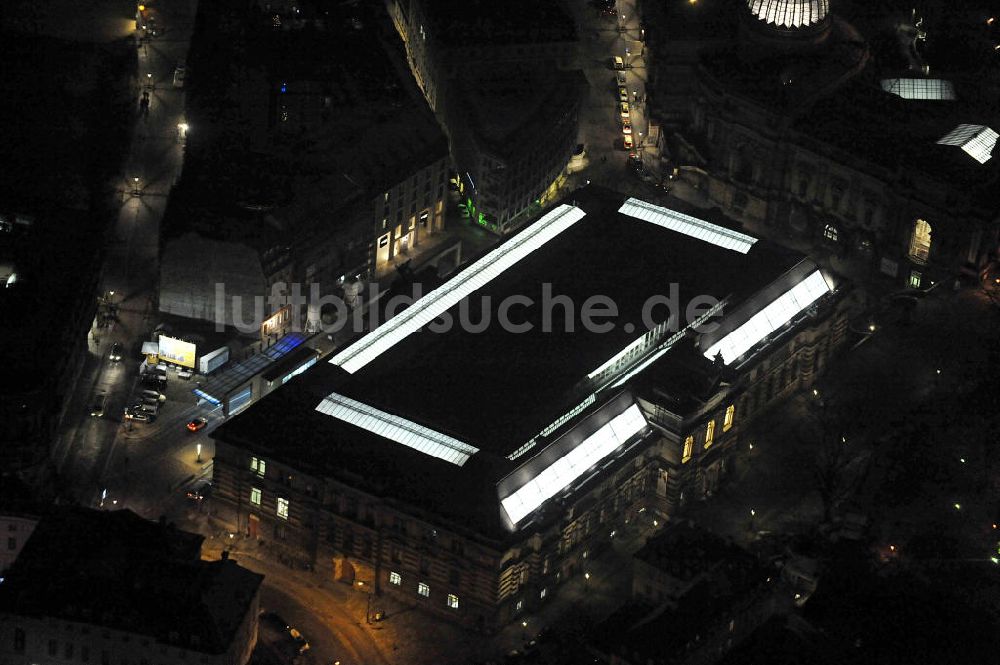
(790, 14)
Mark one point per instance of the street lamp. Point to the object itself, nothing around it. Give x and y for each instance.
(135, 186)
(198, 448)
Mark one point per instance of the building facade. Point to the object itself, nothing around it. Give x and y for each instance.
(345, 482)
(508, 92)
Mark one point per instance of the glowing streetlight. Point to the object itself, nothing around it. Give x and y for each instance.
(586, 576)
(198, 448)
(958, 506)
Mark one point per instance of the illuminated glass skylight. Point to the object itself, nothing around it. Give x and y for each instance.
(977, 140)
(688, 225)
(561, 473)
(771, 318)
(790, 13)
(446, 296)
(397, 429)
(931, 89)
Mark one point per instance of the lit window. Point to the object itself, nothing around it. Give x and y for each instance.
(283, 508)
(920, 241)
(395, 578)
(452, 601)
(831, 232)
(688, 449)
(710, 433)
(255, 496)
(915, 278)
(258, 465)
(423, 589)
(518, 605)
(544, 592)
(728, 422)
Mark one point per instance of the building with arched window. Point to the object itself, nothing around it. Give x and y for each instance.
(780, 117)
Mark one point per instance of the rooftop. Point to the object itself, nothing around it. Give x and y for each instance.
(218, 387)
(466, 403)
(507, 98)
(333, 111)
(470, 22)
(685, 551)
(666, 632)
(117, 570)
(903, 134)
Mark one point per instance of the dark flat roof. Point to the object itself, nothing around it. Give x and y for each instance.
(117, 570)
(508, 22)
(497, 389)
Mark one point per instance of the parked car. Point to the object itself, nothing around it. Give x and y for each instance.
(116, 352)
(180, 71)
(622, 93)
(100, 403)
(626, 127)
(277, 623)
(145, 408)
(623, 108)
(153, 380)
(620, 77)
(140, 416)
(153, 394)
(617, 62)
(300, 640)
(197, 423)
(628, 142)
(201, 491)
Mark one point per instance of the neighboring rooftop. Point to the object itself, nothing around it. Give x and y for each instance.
(789, 13)
(685, 551)
(331, 113)
(510, 22)
(117, 570)
(730, 579)
(514, 101)
(216, 388)
(900, 134)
